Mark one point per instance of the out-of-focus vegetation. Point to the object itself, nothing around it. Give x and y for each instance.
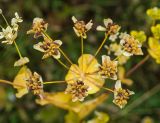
(130, 14)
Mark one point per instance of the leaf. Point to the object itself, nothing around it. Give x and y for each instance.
(87, 107)
(72, 117)
(59, 99)
(101, 117)
(62, 100)
(20, 81)
(80, 71)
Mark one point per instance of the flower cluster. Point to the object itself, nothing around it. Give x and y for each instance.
(49, 48)
(80, 27)
(35, 83)
(78, 90)
(38, 26)
(130, 45)
(153, 41)
(121, 95)
(9, 34)
(110, 29)
(86, 77)
(108, 69)
(154, 13)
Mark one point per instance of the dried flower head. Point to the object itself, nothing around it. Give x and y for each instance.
(49, 48)
(121, 95)
(108, 69)
(38, 26)
(130, 45)
(21, 61)
(78, 90)
(35, 84)
(110, 28)
(80, 27)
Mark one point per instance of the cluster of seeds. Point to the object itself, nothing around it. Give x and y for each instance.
(108, 69)
(130, 45)
(78, 90)
(35, 84)
(39, 25)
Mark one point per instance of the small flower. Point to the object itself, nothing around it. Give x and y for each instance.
(139, 35)
(154, 48)
(21, 61)
(78, 90)
(35, 83)
(154, 13)
(15, 21)
(81, 28)
(49, 48)
(108, 69)
(121, 95)
(110, 28)
(156, 31)
(115, 48)
(38, 26)
(130, 45)
(9, 34)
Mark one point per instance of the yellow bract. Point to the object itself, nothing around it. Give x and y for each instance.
(139, 35)
(154, 49)
(101, 117)
(62, 100)
(121, 76)
(86, 71)
(20, 81)
(156, 31)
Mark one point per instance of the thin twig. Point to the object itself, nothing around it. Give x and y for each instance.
(17, 48)
(10, 83)
(137, 66)
(99, 48)
(82, 51)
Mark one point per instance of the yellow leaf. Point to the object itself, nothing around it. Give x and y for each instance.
(20, 81)
(83, 71)
(62, 100)
(87, 107)
(59, 99)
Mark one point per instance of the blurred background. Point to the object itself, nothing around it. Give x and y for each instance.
(130, 14)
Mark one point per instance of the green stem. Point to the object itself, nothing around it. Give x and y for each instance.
(54, 82)
(104, 40)
(82, 51)
(18, 51)
(5, 19)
